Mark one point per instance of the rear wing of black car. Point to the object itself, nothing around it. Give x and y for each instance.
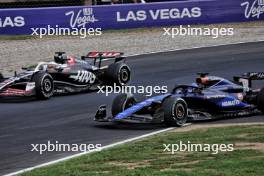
(247, 78)
(99, 57)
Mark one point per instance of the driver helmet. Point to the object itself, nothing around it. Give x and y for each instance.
(60, 59)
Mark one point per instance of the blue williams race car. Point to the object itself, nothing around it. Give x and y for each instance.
(210, 97)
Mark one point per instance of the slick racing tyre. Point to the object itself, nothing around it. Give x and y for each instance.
(44, 85)
(175, 111)
(119, 73)
(122, 102)
(260, 100)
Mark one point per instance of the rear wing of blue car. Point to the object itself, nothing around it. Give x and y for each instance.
(247, 78)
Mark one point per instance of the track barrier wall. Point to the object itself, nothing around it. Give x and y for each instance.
(20, 21)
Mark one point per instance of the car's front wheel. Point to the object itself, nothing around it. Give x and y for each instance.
(122, 102)
(44, 85)
(175, 111)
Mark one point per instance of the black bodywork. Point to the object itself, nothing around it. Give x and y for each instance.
(68, 74)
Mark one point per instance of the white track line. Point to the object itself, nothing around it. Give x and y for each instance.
(83, 153)
(197, 47)
(187, 48)
(131, 139)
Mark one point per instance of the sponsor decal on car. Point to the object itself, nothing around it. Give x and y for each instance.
(258, 75)
(230, 103)
(84, 76)
(261, 75)
(215, 96)
(30, 86)
(94, 54)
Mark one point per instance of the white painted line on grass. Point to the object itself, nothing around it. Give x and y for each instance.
(91, 151)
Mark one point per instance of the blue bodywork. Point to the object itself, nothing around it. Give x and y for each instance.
(137, 107)
(222, 96)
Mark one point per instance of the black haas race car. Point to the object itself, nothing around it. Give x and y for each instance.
(210, 97)
(67, 74)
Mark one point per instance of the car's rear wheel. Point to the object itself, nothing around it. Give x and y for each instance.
(119, 73)
(44, 85)
(175, 111)
(122, 102)
(260, 100)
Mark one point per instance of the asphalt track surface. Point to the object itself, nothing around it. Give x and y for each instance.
(68, 119)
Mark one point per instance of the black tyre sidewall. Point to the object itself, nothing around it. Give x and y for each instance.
(170, 115)
(123, 75)
(116, 71)
(41, 79)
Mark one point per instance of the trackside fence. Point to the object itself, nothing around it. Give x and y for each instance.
(22, 20)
